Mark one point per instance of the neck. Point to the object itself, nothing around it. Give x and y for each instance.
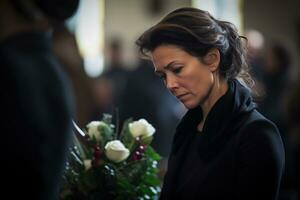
(218, 89)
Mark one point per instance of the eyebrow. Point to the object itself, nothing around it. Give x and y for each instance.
(168, 66)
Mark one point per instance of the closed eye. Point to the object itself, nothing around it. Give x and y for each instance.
(177, 70)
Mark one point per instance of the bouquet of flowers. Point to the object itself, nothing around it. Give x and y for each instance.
(106, 164)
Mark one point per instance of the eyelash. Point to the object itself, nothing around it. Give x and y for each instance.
(177, 70)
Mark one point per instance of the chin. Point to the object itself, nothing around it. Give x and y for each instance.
(190, 105)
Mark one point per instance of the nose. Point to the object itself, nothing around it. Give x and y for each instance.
(171, 83)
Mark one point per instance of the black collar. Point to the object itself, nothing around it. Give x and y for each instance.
(222, 119)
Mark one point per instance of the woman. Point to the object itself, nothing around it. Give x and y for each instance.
(223, 148)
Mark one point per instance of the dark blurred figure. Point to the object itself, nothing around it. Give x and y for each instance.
(276, 82)
(66, 49)
(115, 72)
(102, 92)
(145, 97)
(254, 53)
(255, 46)
(36, 102)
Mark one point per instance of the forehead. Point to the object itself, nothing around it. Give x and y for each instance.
(166, 51)
(164, 54)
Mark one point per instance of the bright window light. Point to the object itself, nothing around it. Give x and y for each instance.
(90, 35)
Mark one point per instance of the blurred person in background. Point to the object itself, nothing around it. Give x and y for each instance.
(102, 93)
(223, 147)
(145, 97)
(255, 58)
(36, 100)
(255, 45)
(276, 83)
(115, 71)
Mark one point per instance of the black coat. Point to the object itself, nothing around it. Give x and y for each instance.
(238, 155)
(36, 111)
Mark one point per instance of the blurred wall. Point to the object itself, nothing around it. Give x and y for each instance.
(128, 19)
(276, 19)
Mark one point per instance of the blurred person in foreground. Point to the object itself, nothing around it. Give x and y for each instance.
(223, 147)
(36, 100)
(66, 49)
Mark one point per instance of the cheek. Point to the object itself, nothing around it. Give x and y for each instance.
(199, 83)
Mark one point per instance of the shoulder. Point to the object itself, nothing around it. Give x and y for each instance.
(256, 125)
(260, 136)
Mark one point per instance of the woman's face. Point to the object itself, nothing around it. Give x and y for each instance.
(189, 79)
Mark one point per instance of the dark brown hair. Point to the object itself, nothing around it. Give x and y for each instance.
(196, 32)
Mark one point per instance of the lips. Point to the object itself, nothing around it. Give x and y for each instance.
(181, 96)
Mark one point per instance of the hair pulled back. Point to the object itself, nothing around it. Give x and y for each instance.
(196, 32)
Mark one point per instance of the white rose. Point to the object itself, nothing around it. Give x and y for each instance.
(93, 129)
(141, 128)
(87, 164)
(116, 151)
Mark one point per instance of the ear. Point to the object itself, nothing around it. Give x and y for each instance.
(212, 59)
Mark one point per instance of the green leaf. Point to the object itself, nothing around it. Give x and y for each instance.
(147, 140)
(152, 153)
(107, 134)
(107, 118)
(126, 136)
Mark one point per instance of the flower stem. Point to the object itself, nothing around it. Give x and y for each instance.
(117, 123)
